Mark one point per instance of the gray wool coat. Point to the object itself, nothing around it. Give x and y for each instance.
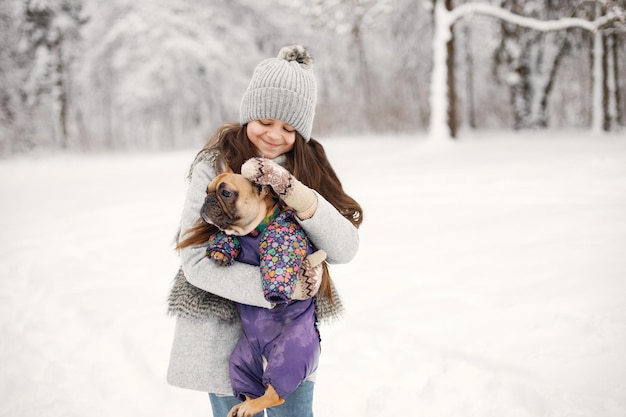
(201, 348)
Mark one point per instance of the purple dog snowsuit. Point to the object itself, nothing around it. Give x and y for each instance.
(286, 336)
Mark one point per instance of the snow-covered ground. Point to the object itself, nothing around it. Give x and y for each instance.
(491, 281)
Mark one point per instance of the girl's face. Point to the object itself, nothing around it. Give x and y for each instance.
(271, 137)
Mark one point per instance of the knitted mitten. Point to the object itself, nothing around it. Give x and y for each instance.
(296, 195)
(309, 276)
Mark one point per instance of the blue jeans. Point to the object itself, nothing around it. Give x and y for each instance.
(298, 404)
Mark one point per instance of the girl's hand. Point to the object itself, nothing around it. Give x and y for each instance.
(309, 276)
(296, 195)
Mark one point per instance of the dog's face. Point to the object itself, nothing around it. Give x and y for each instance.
(234, 204)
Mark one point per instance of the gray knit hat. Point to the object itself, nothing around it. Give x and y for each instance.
(283, 88)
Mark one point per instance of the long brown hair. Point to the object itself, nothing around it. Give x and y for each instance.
(307, 161)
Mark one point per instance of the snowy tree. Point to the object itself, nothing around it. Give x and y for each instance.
(52, 33)
(612, 110)
(530, 58)
(159, 74)
(352, 22)
(444, 18)
(450, 72)
(527, 60)
(10, 74)
(402, 50)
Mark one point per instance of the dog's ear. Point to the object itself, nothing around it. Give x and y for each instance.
(213, 184)
(221, 166)
(264, 190)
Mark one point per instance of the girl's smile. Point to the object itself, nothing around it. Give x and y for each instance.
(271, 137)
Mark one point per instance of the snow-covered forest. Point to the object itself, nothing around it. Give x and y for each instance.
(122, 74)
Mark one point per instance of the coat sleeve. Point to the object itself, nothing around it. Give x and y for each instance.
(239, 282)
(330, 231)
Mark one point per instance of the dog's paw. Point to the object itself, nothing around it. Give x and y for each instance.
(240, 410)
(220, 258)
(234, 412)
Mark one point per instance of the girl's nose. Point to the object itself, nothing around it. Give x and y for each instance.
(274, 132)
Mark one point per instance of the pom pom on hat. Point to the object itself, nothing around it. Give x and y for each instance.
(296, 53)
(283, 88)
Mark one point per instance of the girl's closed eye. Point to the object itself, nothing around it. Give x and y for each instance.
(287, 128)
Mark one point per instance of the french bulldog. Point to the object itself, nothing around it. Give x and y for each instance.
(238, 207)
(235, 205)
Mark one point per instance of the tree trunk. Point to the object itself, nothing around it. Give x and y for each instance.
(543, 110)
(452, 118)
(61, 95)
(611, 110)
(598, 77)
(619, 110)
(470, 112)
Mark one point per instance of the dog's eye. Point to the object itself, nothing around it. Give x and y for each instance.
(226, 193)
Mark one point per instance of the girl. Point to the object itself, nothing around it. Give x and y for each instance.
(274, 136)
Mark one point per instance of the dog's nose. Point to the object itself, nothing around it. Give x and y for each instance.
(208, 210)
